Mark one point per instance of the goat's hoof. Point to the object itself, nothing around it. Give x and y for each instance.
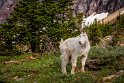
(65, 73)
(72, 73)
(82, 71)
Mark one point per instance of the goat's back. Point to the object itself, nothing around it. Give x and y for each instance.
(69, 44)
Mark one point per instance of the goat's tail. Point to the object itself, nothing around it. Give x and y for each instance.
(61, 41)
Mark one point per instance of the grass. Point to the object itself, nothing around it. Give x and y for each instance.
(46, 68)
(119, 79)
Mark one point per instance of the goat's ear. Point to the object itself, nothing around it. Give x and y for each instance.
(61, 41)
(81, 34)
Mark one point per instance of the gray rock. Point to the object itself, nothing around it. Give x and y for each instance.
(88, 7)
(6, 7)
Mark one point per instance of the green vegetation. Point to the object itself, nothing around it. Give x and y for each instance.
(94, 33)
(116, 29)
(119, 79)
(46, 67)
(40, 25)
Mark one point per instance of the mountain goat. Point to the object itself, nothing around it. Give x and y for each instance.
(73, 48)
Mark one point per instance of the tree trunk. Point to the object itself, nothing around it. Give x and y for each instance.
(33, 47)
(9, 44)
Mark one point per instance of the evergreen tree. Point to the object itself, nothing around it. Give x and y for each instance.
(27, 21)
(94, 33)
(106, 29)
(34, 20)
(118, 30)
(7, 40)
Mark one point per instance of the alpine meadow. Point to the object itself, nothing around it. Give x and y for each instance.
(48, 41)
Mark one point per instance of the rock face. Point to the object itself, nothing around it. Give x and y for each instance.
(6, 7)
(88, 7)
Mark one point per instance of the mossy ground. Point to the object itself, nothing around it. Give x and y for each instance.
(46, 68)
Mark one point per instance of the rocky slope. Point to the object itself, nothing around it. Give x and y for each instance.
(90, 6)
(6, 7)
(86, 6)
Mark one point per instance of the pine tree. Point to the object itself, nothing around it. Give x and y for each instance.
(7, 39)
(27, 21)
(34, 20)
(106, 29)
(118, 30)
(94, 33)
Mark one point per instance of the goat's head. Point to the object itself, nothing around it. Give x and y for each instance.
(83, 38)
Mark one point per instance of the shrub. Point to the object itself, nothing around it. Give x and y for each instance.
(94, 33)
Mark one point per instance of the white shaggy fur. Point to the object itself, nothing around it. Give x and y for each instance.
(73, 48)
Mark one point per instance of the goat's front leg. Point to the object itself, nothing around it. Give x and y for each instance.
(74, 63)
(83, 61)
(65, 59)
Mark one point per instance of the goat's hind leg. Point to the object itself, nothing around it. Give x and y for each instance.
(74, 63)
(64, 62)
